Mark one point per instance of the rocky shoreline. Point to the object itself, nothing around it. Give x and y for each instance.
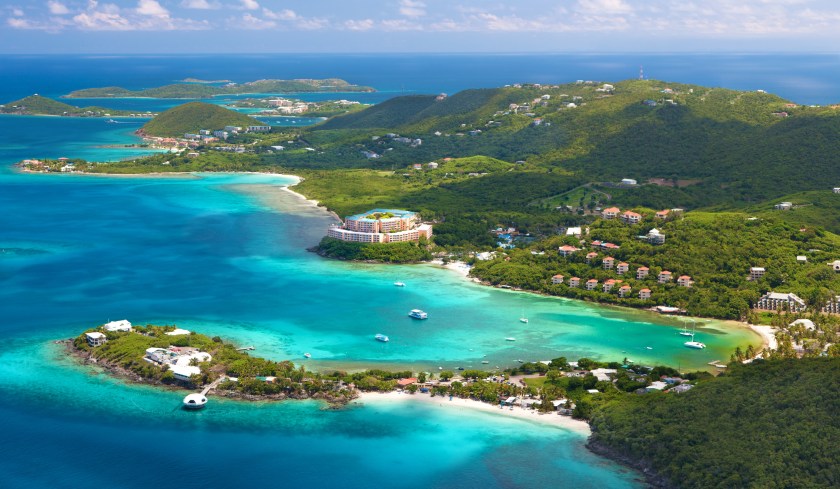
(86, 358)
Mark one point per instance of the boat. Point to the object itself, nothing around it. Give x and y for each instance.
(399, 284)
(685, 332)
(648, 348)
(510, 338)
(307, 355)
(111, 121)
(194, 401)
(694, 344)
(418, 314)
(381, 337)
(523, 318)
(485, 362)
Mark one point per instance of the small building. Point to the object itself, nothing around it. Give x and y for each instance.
(801, 259)
(122, 326)
(178, 332)
(806, 323)
(622, 268)
(591, 256)
(603, 374)
(631, 217)
(95, 338)
(684, 281)
(783, 206)
(407, 382)
(756, 273)
(574, 231)
(184, 372)
(644, 294)
(832, 306)
(610, 212)
(625, 291)
(656, 386)
(655, 237)
(557, 279)
(836, 190)
(664, 276)
(574, 282)
(835, 265)
(608, 285)
(663, 214)
(642, 272)
(608, 263)
(567, 250)
(774, 301)
(628, 181)
(432, 165)
(591, 284)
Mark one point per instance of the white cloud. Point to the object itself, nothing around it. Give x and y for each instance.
(19, 23)
(95, 20)
(412, 8)
(400, 25)
(151, 8)
(250, 4)
(284, 14)
(200, 4)
(605, 6)
(16, 12)
(359, 25)
(251, 23)
(312, 24)
(57, 8)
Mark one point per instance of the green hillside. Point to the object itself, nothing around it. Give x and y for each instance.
(202, 90)
(38, 105)
(194, 116)
(768, 424)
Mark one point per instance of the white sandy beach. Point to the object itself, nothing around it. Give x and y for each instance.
(469, 405)
(768, 336)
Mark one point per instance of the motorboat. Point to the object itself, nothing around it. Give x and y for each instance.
(194, 401)
(510, 338)
(418, 314)
(307, 355)
(399, 284)
(381, 337)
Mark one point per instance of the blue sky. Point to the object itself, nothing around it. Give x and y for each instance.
(202, 26)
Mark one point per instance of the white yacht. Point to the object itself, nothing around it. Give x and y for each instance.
(399, 284)
(418, 314)
(694, 344)
(381, 337)
(194, 401)
(307, 355)
(510, 338)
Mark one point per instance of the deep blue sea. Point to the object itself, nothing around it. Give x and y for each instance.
(225, 255)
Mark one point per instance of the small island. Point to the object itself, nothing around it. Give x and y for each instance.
(206, 90)
(39, 105)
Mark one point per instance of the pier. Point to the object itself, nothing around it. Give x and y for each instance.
(212, 385)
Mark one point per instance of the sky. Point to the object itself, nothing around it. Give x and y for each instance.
(300, 26)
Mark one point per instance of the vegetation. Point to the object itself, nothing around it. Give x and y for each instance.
(194, 116)
(204, 90)
(767, 424)
(405, 252)
(38, 105)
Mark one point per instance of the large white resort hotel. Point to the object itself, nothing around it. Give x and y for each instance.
(381, 226)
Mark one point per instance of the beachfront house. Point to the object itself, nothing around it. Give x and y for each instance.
(644, 294)
(95, 338)
(557, 279)
(117, 326)
(574, 282)
(591, 284)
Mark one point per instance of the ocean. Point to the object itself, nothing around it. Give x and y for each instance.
(224, 254)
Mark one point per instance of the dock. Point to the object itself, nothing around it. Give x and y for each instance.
(212, 385)
(246, 348)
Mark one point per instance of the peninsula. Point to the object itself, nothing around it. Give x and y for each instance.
(195, 89)
(39, 105)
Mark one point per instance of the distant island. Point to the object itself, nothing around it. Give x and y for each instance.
(39, 105)
(197, 80)
(195, 117)
(203, 90)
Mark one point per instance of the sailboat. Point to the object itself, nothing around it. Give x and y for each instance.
(685, 331)
(694, 344)
(523, 318)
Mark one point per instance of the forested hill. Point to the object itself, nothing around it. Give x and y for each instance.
(767, 424)
(703, 146)
(39, 105)
(194, 116)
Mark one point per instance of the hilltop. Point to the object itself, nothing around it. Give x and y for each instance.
(195, 89)
(38, 105)
(194, 116)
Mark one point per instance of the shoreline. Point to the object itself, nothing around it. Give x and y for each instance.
(471, 406)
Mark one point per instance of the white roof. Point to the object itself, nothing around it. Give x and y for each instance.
(592, 391)
(603, 373)
(809, 325)
(121, 325)
(184, 370)
(658, 385)
(95, 335)
(757, 269)
(178, 332)
(574, 231)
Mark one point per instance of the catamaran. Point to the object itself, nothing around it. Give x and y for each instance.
(694, 344)
(381, 337)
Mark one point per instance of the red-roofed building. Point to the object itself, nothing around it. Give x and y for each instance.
(631, 217)
(574, 282)
(663, 214)
(557, 279)
(407, 382)
(642, 272)
(644, 294)
(608, 263)
(591, 284)
(684, 281)
(624, 291)
(610, 212)
(610, 246)
(608, 285)
(665, 276)
(591, 256)
(567, 250)
(622, 268)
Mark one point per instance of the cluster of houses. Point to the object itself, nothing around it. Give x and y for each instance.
(630, 217)
(621, 268)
